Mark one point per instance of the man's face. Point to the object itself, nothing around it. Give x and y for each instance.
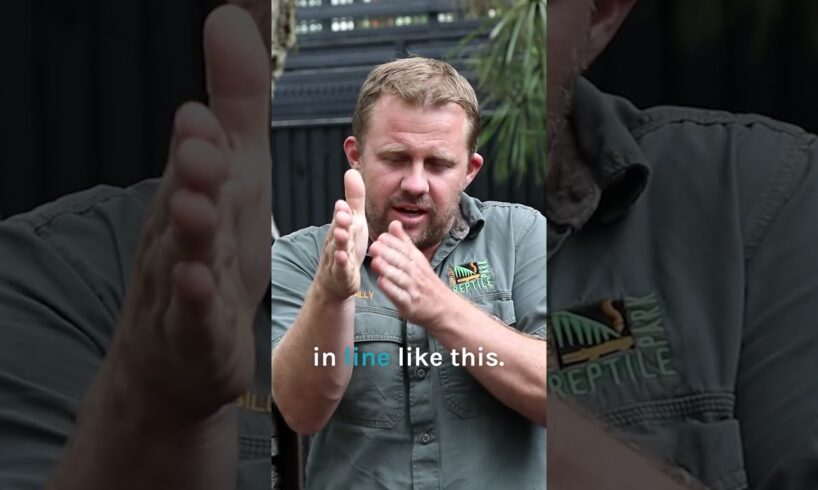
(569, 23)
(414, 163)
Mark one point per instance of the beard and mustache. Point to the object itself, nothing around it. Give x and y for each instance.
(431, 233)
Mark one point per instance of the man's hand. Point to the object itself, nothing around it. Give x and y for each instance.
(185, 335)
(339, 273)
(306, 394)
(159, 413)
(407, 278)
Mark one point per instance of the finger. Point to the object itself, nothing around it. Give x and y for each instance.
(341, 205)
(194, 219)
(397, 295)
(201, 166)
(341, 258)
(341, 237)
(196, 120)
(395, 275)
(238, 74)
(386, 252)
(354, 191)
(396, 244)
(396, 229)
(343, 220)
(192, 308)
(192, 120)
(194, 288)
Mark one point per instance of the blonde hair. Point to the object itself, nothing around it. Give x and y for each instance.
(421, 82)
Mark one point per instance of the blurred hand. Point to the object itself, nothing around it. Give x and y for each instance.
(185, 337)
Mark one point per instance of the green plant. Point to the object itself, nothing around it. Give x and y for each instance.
(511, 74)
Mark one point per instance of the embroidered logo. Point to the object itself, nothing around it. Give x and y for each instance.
(609, 342)
(256, 402)
(365, 294)
(471, 277)
(590, 332)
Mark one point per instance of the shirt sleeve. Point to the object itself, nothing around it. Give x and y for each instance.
(56, 320)
(776, 388)
(529, 287)
(294, 260)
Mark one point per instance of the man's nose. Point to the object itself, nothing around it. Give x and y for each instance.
(415, 182)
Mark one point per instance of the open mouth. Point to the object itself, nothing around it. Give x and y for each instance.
(409, 210)
(409, 214)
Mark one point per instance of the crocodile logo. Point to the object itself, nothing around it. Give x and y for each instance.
(591, 332)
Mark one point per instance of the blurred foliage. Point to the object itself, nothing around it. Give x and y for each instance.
(511, 69)
(511, 72)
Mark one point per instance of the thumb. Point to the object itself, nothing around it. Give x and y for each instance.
(354, 191)
(238, 74)
(396, 229)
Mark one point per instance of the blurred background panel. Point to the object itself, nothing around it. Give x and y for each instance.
(90, 88)
(339, 42)
(743, 56)
(757, 56)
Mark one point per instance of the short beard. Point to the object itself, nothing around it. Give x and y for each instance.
(437, 228)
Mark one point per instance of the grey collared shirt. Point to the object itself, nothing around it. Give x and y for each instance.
(65, 267)
(428, 427)
(682, 299)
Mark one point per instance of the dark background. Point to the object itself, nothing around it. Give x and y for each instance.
(89, 87)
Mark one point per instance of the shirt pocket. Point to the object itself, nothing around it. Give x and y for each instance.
(697, 433)
(255, 447)
(375, 394)
(463, 395)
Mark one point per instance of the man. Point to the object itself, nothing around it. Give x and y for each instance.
(411, 265)
(684, 241)
(140, 362)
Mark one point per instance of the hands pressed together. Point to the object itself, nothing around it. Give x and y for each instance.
(405, 275)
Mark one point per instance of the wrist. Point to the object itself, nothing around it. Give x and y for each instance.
(325, 295)
(449, 307)
(128, 384)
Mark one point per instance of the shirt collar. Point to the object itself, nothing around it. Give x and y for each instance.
(604, 170)
(469, 221)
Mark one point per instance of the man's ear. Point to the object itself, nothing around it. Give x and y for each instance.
(475, 164)
(606, 19)
(353, 152)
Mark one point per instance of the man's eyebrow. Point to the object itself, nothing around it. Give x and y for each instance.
(443, 156)
(391, 148)
(399, 148)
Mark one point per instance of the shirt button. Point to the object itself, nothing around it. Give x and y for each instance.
(426, 438)
(420, 373)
